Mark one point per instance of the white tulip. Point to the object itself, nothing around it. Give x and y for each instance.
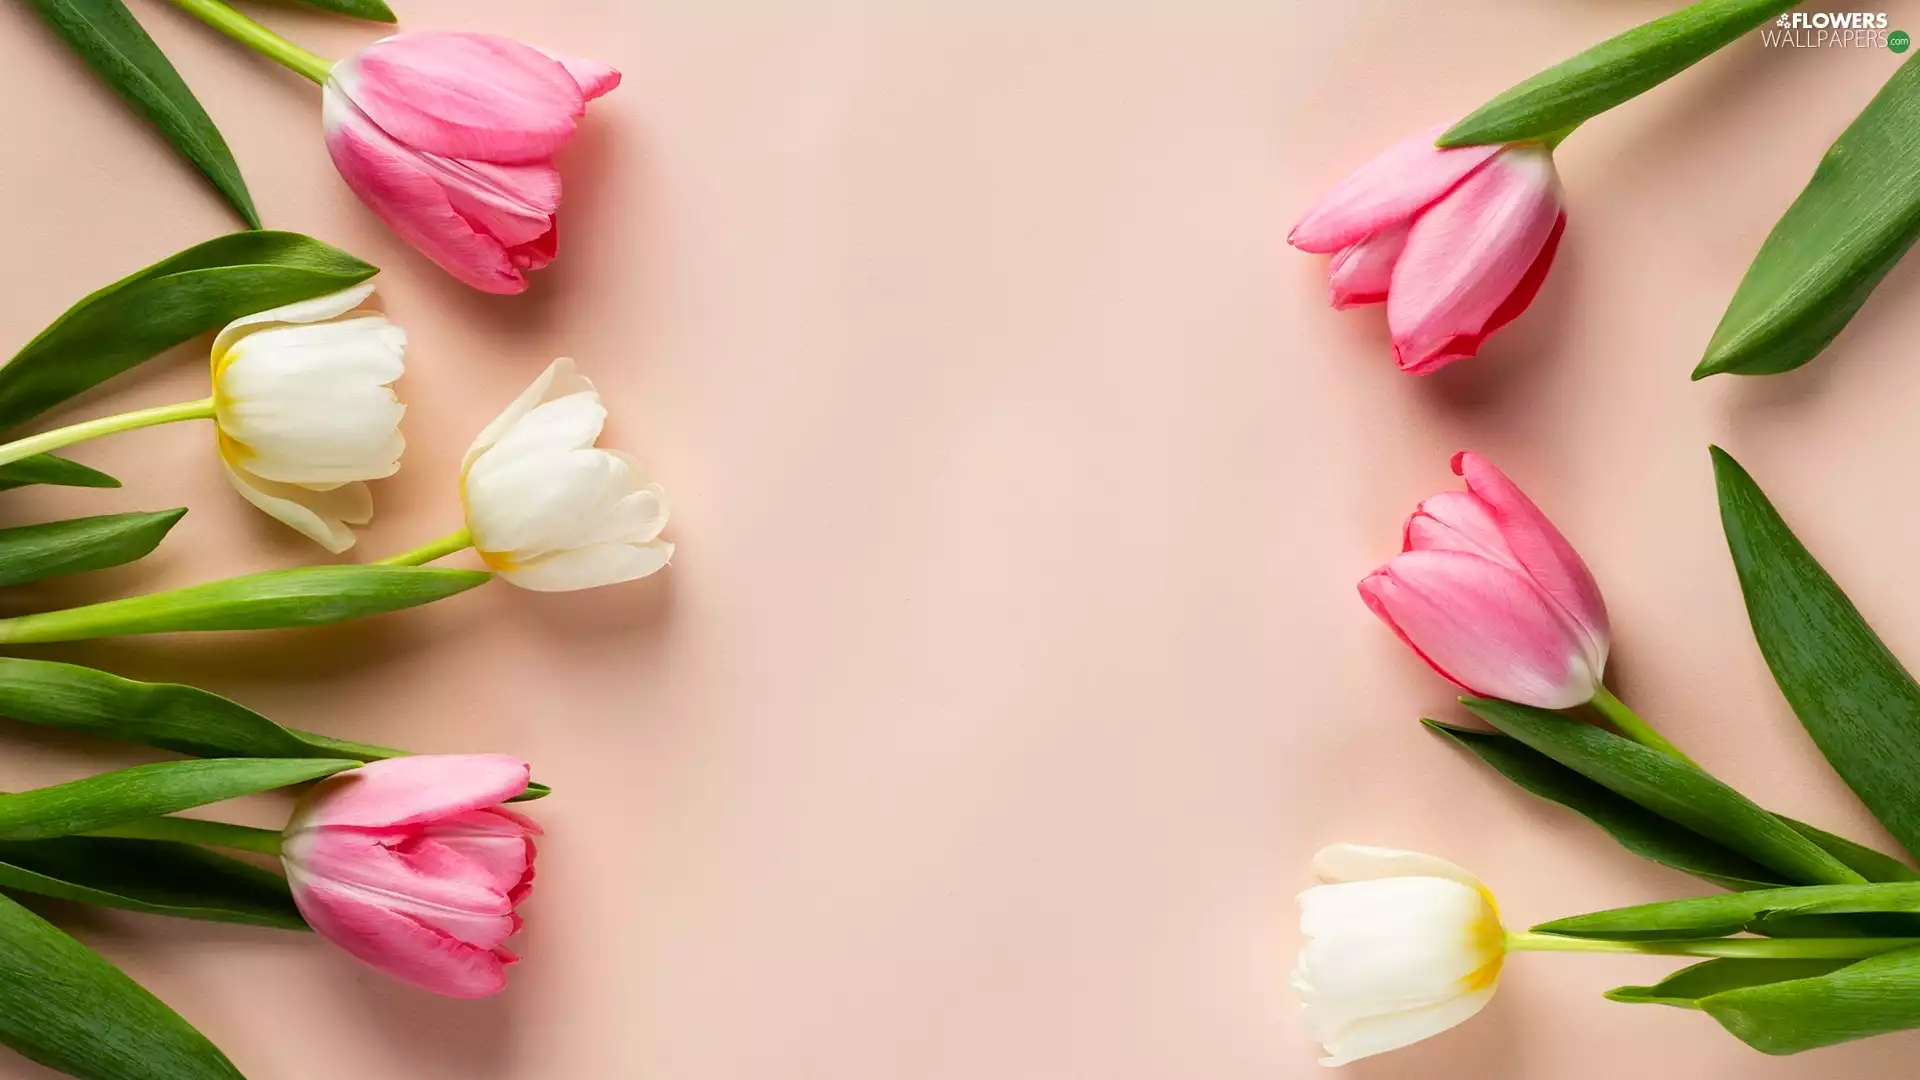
(303, 398)
(1400, 947)
(547, 509)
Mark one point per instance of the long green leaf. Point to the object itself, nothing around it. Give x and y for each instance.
(64, 1007)
(375, 10)
(1849, 226)
(106, 36)
(275, 599)
(1684, 988)
(1620, 68)
(170, 716)
(155, 877)
(1671, 788)
(47, 469)
(180, 297)
(35, 552)
(1731, 913)
(1872, 997)
(1852, 695)
(144, 791)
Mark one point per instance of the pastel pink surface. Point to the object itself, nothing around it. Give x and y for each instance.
(1009, 671)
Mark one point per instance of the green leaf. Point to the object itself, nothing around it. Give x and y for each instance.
(35, 552)
(106, 36)
(170, 716)
(143, 791)
(1620, 68)
(1865, 861)
(47, 469)
(376, 10)
(1874, 996)
(1638, 829)
(1731, 913)
(1852, 695)
(1850, 225)
(1669, 787)
(155, 877)
(64, 1007)
(180, 297)
(275, 599)
(1684, 988)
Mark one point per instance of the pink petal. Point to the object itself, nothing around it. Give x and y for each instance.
(461, 95)
(535, 254)
(399, 944)
(1389, 190)
(513, 204)
(1361, 273)
(1542, 551)
(1483, 626)
(496, 842)
(413, 876)
(412, 790)
(594, 77)
(1458, 521)
(404, 193)
(1468, 255)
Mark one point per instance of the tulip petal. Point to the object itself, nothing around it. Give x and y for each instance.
(411, 874)
(1379, 1034)
(557, 425)
(396, 943)
(1389, 190)
(1468, 255)
(1542, 551)
(499, 843)
(1458, 521)
(591, 567)
(514, 204)
(560, 379)
(528, 505)
(1361, 274)
(312, 310)
(1360, 862)
(412, 790)
(321, 516)
(1483, 626)
(463, 95)
(593, 77)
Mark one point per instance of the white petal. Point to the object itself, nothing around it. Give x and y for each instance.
(322, 516)
(289, 361)
(332, 439)
(1357, 862)
(317, 309)
(1377, 1035)
(1395, 943)
(528, 506)
(635, 519)
(559, 380)
(590, 567)
(572, 422)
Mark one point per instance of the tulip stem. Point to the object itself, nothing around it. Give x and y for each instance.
(196, 831)
(106, 425)
(258, 38)
(1739, 948)
(1632, 726)
(458, 540)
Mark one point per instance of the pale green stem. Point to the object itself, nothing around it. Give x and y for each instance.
(1553, 140)
(106, 425)
(195, 831)
(458, 540)
(1740, 948)
(1632, 726)
(258, 38)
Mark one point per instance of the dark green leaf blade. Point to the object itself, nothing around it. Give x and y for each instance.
(178, 298)
(1620, 68)
(374, 10)
(1731, 913)
(1875, 996)
(155, 877)
(1848, 227)
(1865, 861)
(58, 471)
(36, 552)
(1684, 988)
(108, 39)
(273, 600)
(1852, 695)
(170, 716)
(1639, 830)
(1669, 787)
(144, 791)
(64, 1007)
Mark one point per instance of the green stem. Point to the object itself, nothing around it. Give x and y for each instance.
(196, 831)
(106, 425)
(258, 38)
(1742, 948)
(1632, 726)
(1553, 140)
(458, 540)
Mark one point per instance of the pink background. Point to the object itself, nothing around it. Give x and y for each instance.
(1011, 669)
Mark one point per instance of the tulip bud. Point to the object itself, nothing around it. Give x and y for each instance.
(411, 865)
(1455, 241)
(1492, 597)
(1400, 947)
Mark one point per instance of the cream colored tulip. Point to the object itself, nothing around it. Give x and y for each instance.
(307, 414)
(547, 509)
(1400, 947)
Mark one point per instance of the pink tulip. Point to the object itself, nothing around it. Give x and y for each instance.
(450, 138)
(1455, 241)
(1492, 597)
(412, 866)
